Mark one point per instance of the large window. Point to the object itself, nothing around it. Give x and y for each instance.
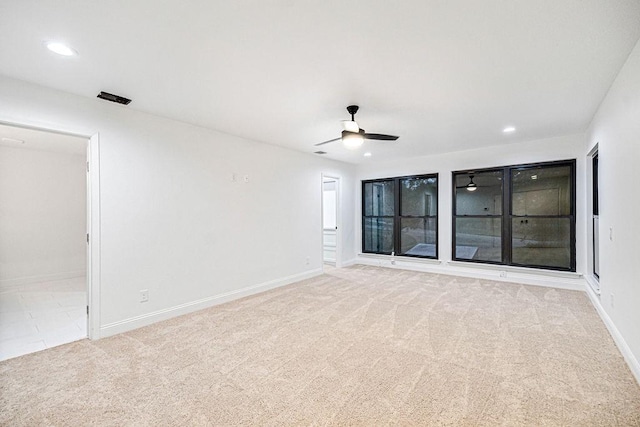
(400, 216)
(516, 215)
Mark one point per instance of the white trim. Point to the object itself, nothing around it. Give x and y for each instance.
(168, 313)
(631, 360)
(513, 269)
(552, 279)
(394, 260)
(350, 262)
(8, 284)
(93, 228)
(93, 221)
(338, 180)
(594, 283)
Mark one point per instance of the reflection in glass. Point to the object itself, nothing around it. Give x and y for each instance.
(541, 191)
(419, 197)
(479, 239)
(541, 242)
(418, 236)
(486, 199)
(378, 198)
(378, 235)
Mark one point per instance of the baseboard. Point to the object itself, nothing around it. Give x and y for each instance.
(348, 263)
(559, 280)
(631, 360)
(8, 284)
(168, 313)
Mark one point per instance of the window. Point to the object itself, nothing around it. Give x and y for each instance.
(516, 215)
(400, 216)
(595, 217)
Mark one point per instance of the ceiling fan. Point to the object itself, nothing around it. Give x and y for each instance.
(471, 186)
(353, 136)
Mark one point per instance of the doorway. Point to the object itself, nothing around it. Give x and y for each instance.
(331, 221)
(43, 239)
(595, 221)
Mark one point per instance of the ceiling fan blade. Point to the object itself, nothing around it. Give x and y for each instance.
(326, 142)
(350, 126)
(380, 137)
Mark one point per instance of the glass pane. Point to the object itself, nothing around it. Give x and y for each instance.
(378, 198)
(378, 235)
(419, 197)
(418, 236)
(541, 191)
(486, 199)
(479, 239)
(542, 242)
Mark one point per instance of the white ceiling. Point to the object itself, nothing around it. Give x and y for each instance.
(444, 75)
(43, 141)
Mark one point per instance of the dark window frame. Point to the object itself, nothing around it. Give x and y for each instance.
(507, 214)
(397, 214)
(595, 197)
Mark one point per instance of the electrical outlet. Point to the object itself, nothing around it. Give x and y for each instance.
(611, 299)
(306, 260)
(503, 274)
(144, 295)
(234, 177)
(611, 233)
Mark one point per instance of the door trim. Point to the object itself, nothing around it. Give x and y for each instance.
(338, 182)
(93, 222)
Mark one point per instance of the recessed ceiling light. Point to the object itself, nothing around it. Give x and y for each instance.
(509, 129)
(61, 49)
(367, 154)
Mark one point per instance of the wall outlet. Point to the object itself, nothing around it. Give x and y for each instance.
(611, 300)
(144, 295)
(503, 274)
(611, 233)
(306, 260)
(234, 177)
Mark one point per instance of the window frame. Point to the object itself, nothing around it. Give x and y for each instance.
(507, 214)
(397, 214)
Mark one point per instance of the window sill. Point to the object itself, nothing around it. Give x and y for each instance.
(399, 258)
(512, 269)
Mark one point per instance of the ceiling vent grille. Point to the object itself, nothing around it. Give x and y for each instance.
(114, 98)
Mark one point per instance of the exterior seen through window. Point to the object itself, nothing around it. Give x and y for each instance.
(400, 216)
(521, 215)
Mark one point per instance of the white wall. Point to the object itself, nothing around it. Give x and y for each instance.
(42, 215)
(616, 130)
(559, 148)
(172, 219)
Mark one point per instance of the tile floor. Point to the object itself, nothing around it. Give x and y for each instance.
(42, 315)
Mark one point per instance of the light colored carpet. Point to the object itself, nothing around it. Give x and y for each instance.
(357, 346)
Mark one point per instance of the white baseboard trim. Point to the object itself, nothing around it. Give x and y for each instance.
(168, 313)
(348, 263)
(559, 280)
(631, 360)
(8, 284)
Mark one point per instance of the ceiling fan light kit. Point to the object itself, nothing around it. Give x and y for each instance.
(471, 186)
(353, 135)
(352, 140)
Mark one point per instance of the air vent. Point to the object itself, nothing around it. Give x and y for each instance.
(114, 98)
(319, 152)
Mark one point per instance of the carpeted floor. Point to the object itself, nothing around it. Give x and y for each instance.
(357, 346)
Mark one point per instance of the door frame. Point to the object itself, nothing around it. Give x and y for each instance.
(92, 221)
(338, 181)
